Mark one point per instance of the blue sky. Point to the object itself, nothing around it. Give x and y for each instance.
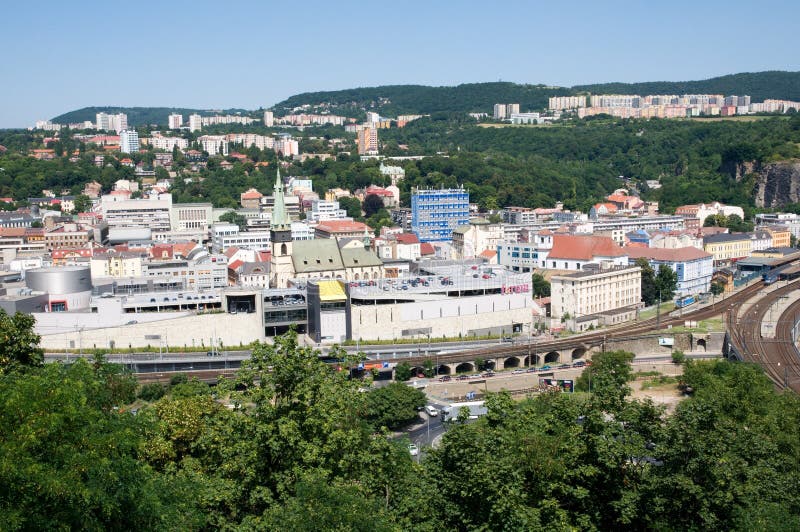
(61, 56)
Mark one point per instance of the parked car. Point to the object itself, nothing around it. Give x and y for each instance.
(431, 410)
(579, 364)
(446, 378)
(413, 449)
(545, 368)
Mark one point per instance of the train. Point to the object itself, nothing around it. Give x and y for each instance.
(787, 272)
(685, 301)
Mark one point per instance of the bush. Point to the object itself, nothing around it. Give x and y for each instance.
(180, 378)
(402, 372)
(678, 357)
(152, 392)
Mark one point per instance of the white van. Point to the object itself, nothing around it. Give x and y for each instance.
(431, 410)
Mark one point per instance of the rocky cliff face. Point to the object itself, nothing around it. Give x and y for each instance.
(777, 184)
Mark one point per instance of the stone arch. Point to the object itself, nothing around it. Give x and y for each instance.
(532, 360)
(416, 371)
(551, 357)
(578, 352)
(465, 367)
(443, 369)
(283, 250)
(511, 362)
(701, 344)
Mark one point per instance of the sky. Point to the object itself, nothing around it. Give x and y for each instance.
(60, 56)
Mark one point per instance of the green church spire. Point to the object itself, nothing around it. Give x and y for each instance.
(280, 220)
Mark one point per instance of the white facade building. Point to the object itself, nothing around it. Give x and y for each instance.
(128, 141)
(595, 291)
(225, 235)
(195, 122)
(175, 121)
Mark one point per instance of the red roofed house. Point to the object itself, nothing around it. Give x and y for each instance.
(573, 252)
(601, 209)
(426, 249)
(398, 246)
(250, 199)
(624, 202)
(342, 229)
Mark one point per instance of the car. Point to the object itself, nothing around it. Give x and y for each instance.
(531, 370)
(579, 364)
(413, 449)
(485, 276)
(564, 366)
(517, 371)
(545, 368)
(509, 339)
(431, 410)
(446, 378)
(462, 377)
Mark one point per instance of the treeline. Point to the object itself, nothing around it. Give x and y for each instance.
(290, 443)
(139, 116)
(391, 100)
(773, 84)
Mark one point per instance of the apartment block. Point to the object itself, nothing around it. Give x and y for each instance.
(435, 213)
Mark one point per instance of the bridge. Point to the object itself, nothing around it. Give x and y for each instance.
(463, 357)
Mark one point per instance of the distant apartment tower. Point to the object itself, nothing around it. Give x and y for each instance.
(435, 213)
(368, 141)
(195, 122)
(107, 122)
(269, 119)
(560, 103)
(128, 141)
(175, 121)
(499, 111)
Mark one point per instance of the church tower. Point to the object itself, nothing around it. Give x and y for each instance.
(280, 234)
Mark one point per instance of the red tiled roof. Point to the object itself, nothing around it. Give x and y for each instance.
(579, 247)
(426, 248)
(230, 252)
(488, 253)
(235, 265)
(668, 255)
(609, 206)
(407, 238)
(342, 226)
(251, 194)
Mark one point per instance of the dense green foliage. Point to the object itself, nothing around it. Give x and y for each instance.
(774, 84)
(295, 450)
(578, 163)
(391, 100)
(394, 405)
(137, 116)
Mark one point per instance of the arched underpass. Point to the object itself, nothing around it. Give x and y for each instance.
(416, 371)
(465, 367)
(443, 370)
(578, 353)
(511, 362)
(701, 344)
(533, 360)
(551, 357)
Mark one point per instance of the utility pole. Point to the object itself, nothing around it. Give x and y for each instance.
(658, 310)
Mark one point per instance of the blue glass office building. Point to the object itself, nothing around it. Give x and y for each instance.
(435, 213)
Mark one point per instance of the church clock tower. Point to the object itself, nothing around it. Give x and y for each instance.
(280, 234)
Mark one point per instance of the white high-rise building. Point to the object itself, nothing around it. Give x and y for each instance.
(269, 119)
(175, 121)
(107, 122)
(128, 141)
(195, 122)
(500, 111)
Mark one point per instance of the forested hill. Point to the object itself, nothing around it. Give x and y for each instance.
(775, 84)
(137, 116)
(392, 100)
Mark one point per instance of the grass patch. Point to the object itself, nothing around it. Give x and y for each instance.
(659, 381)
(666, 308)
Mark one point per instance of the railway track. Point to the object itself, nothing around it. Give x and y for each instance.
(778, 356)
(628, 331)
